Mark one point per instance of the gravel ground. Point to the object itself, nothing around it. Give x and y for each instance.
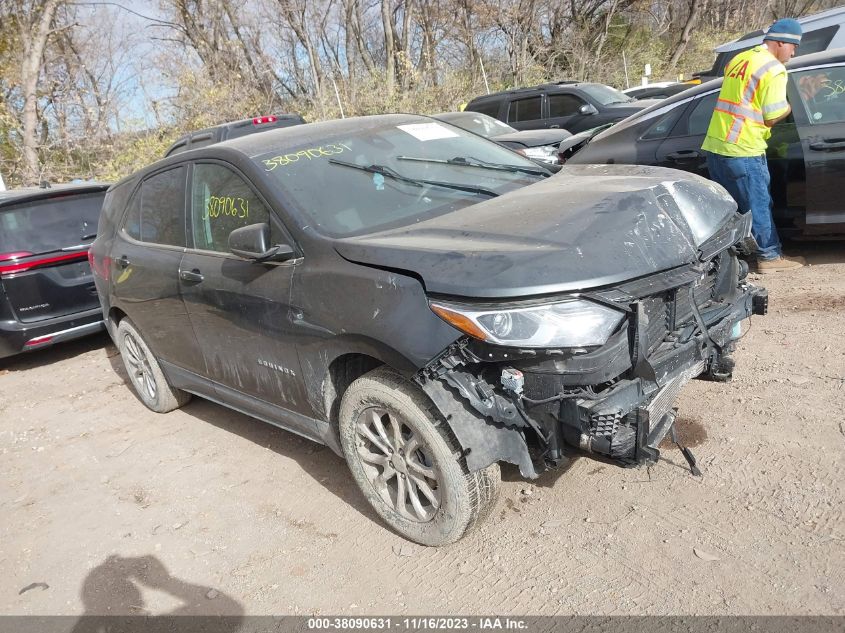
(108, 508)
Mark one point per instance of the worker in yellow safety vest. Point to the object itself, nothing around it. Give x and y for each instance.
(752, 100)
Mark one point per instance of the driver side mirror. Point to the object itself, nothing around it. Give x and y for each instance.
(588, 108)
(253, 242)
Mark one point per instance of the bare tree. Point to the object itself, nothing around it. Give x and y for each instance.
(36, 21)
(389, 47)
(680, 47)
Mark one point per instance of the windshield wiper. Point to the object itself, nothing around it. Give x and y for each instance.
(384, 170)
(469, 161)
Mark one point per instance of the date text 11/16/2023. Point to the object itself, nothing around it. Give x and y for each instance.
(416, 623)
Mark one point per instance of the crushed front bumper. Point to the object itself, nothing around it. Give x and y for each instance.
(615, 402)
(631, 419)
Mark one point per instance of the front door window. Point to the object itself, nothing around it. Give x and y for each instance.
(220, 203)
(823, 94)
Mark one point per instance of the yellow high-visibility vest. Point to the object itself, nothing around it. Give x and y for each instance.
(753, 91)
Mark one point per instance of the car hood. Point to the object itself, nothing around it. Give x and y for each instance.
(585, 227)
(533, 138)
(574, 143)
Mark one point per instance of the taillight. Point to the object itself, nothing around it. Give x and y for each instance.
(263, 119)
(100, 268)
(9, 262)
(39, 341)
(4, 257)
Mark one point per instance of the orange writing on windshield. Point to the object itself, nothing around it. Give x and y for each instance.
(324, 151)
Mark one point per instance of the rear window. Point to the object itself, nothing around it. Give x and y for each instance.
(49, 225)
(816, 41)
(490, 108)
(811, 42)
(113, 206)
(525, 109)
(157, 212)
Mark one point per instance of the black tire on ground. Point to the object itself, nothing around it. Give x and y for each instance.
(408, 463)
(144, 372)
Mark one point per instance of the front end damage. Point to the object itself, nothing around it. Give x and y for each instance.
(534, 407)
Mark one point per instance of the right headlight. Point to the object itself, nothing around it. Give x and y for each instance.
(569, 323)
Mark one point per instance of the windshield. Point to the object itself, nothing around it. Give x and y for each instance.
(477, 123)
(605, 95)
(393, 175)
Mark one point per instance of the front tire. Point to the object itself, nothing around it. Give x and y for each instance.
(408, 463)
(145, 373)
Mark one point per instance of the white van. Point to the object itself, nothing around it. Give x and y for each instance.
(822, 31)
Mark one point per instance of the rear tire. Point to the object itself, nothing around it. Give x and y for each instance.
(145, 373)
(408, 463)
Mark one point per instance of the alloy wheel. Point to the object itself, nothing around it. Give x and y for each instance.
(139, 367)
(398, 464)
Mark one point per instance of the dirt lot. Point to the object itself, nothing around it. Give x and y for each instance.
(109, 508)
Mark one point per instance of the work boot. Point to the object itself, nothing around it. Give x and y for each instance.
(779, 263)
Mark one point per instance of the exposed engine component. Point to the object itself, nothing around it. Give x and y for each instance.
(513, 380)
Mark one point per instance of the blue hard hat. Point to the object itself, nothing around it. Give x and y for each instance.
(784, 30)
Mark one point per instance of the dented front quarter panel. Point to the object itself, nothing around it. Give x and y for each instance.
(340, 308)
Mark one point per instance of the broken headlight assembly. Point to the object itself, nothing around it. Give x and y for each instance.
(562, 324)
(544, 154)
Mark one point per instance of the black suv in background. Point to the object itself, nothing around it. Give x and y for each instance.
(571, 106)
(423, 301)
(47, 294)
(233, 129)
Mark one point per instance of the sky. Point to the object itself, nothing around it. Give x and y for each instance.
(141, 82)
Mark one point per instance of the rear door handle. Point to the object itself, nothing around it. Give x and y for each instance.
(192, 276)
(554, 126)
(830, 145)
(122, 261)
(686, 154)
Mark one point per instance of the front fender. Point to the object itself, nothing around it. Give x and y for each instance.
(483, 440)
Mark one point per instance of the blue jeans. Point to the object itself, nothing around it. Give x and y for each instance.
(747, 180)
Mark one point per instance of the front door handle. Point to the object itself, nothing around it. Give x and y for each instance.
(830, 145)
(685, 154)
(122, 261)
(554, 126)
(193, 276)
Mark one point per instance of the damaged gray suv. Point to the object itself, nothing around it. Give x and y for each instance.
(423, 301)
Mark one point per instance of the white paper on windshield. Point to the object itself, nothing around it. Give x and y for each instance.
(427, 131)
